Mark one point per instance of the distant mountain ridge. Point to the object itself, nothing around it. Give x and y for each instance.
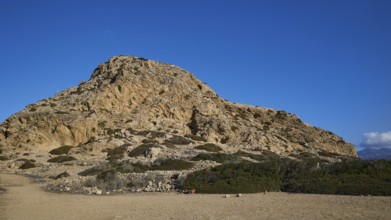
(375, 153)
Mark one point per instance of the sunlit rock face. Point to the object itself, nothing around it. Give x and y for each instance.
(132, 94)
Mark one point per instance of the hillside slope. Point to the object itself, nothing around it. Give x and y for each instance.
(135, 93)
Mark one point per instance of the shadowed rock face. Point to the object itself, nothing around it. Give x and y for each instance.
(138, 94)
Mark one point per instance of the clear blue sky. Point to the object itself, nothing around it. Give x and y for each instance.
(329, 61)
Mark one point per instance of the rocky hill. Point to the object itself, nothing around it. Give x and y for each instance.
(159, 112)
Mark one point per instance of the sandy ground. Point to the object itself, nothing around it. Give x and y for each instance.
(26, 200)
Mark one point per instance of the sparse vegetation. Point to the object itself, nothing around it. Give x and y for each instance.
(171, 164)
(140, 150)
(349, 177)
(150, 141)
(252, 156)
(61, 159)
(117, 153)
(109, 180)
(327, 154)
(61, 175)
(152, 134)
(94, 170)
(111, 131)
(102, 124)
(27, 165)
(195, 137)
(60, 150)
(209, 147)
(218, 157)
(179, 140)
(61, 112)
(235, 178)
(266, 155)
(169, 145)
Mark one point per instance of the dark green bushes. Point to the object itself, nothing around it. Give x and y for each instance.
(179, 140)
(61, 159)
(354, 177)
(195, 137)
(109, 180)
(117, 153)
(171, 164)
(60, 150)
(150, 141)
(121, 167)
(140, 150)
(252, 156)
(152, 134)
(350, 177)
(235, 178)
(218, 157)
(209, 147)
(27, 165)
(169, 145)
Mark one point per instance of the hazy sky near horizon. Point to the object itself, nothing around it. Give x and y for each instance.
(327, 61)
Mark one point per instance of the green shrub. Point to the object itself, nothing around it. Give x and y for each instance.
(169, 145)
(94, 170)
(25, 160)
(60, 150)
(140, 168)
(61, 175)
(121, 167)
(350, 177)
(152, 134)
(109, 180)
(27, 165)
(129, 167)
(140, 150)
(171, 164)
(235, 178)
(195, 137)
(150, 141)
(179, 140)
(117, 153)
(209, 147)
(252, 156)
(111, 131)
(61, 159)
(218, 157)
(327, 154)
(311, 175)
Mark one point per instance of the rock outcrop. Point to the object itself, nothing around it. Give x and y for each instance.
(128, 94)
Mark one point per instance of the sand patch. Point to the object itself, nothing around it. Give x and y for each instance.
(26, 200)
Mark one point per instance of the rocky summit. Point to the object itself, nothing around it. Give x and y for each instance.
(146, 115)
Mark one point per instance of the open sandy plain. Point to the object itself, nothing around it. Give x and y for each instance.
(26, 200)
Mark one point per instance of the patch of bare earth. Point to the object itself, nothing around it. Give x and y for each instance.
(26, 200)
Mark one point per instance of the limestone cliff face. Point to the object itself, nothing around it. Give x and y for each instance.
(130, 92)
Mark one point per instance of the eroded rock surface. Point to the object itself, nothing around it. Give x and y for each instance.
(129, 92)
(129, 102)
